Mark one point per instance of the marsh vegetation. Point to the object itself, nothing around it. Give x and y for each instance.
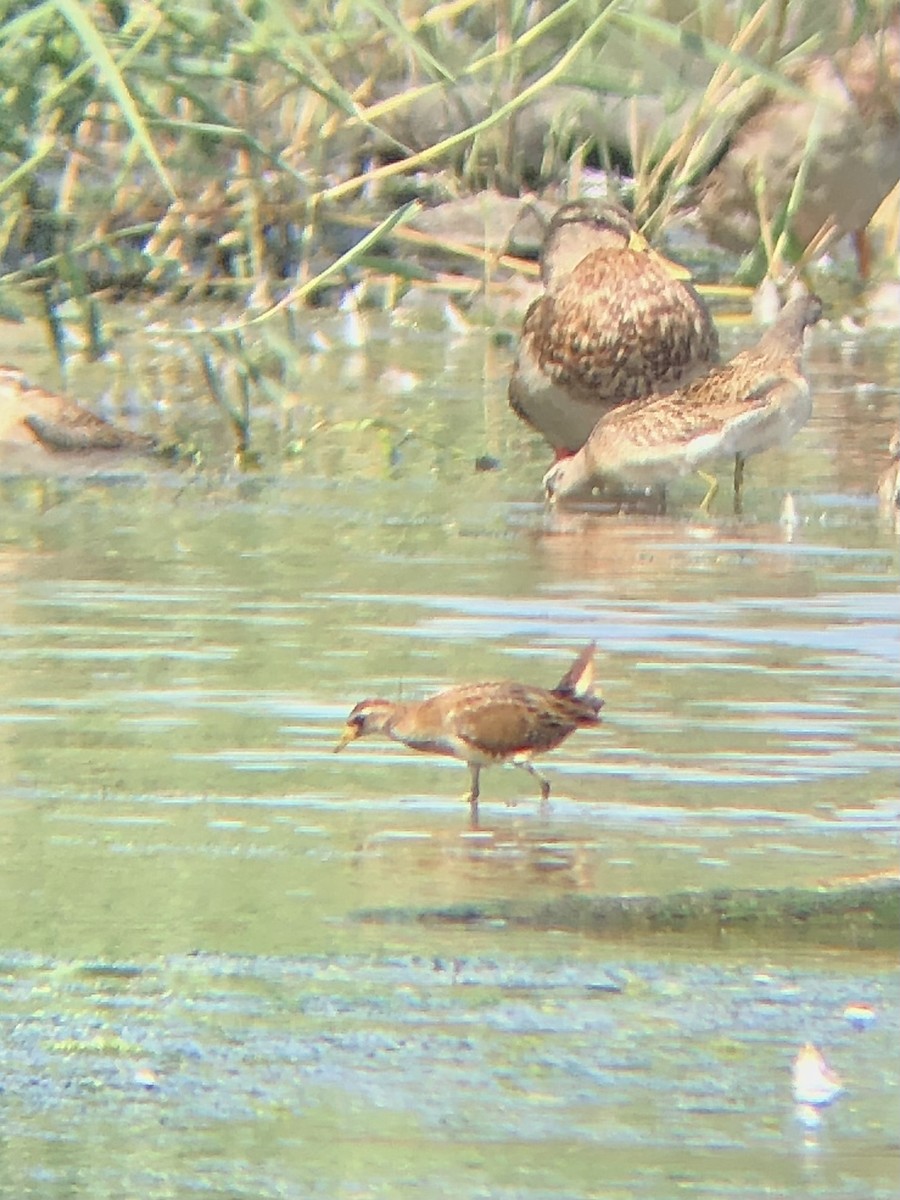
(259, 157)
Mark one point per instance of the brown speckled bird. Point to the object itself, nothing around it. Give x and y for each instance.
(32, 415)
(487, 723)
(757, 400)
(833, 153)
(612, 325)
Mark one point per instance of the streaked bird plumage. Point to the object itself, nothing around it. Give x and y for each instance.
(488, 723)
(824, 161)
(32, 414)
(612, 325)
(757, 400)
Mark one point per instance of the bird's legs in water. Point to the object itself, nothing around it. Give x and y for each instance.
(713, 485)
(474, 793)
(738, 484)
(535, 774)
(863, 248)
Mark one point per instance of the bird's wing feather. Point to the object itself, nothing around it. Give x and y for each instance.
(522, 719)
(611, 303)
(82, 430)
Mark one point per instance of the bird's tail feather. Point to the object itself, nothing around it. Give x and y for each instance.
(578, 681)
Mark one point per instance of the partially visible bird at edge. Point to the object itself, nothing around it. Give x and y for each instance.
(612, 325)
(757, 400)
(29, 413)
(821, 163)
(489, 723)
(888, 487)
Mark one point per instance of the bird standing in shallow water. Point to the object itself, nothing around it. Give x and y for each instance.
(757, 400)
(31, 414)
(612, 325)
(487, 723)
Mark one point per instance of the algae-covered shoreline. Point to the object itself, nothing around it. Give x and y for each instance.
(862, 915)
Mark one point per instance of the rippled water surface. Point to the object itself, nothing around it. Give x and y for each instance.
(190, 1005)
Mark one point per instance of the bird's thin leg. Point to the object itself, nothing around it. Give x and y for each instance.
(863, 248)
(738, 484)
(545, 786)
(474, 793)
(713, 485)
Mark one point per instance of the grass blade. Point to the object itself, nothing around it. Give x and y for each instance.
(94, 44)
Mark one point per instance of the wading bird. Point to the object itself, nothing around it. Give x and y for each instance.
(484, 724)
(818, 164)
(757, 400)
(612, 325)
(32, 415)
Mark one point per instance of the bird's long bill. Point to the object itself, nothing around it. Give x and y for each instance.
(350, 734)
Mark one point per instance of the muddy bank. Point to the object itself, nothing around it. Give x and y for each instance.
(865, 915)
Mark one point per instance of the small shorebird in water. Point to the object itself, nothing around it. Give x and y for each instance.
(32, 415)
(757, 400)
(612, 325)
(484, 724)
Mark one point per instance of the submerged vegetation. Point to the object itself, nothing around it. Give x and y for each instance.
(264, 155)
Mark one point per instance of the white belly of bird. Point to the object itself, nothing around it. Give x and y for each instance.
(447, 743)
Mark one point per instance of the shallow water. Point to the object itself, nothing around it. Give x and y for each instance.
(189, 1002)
